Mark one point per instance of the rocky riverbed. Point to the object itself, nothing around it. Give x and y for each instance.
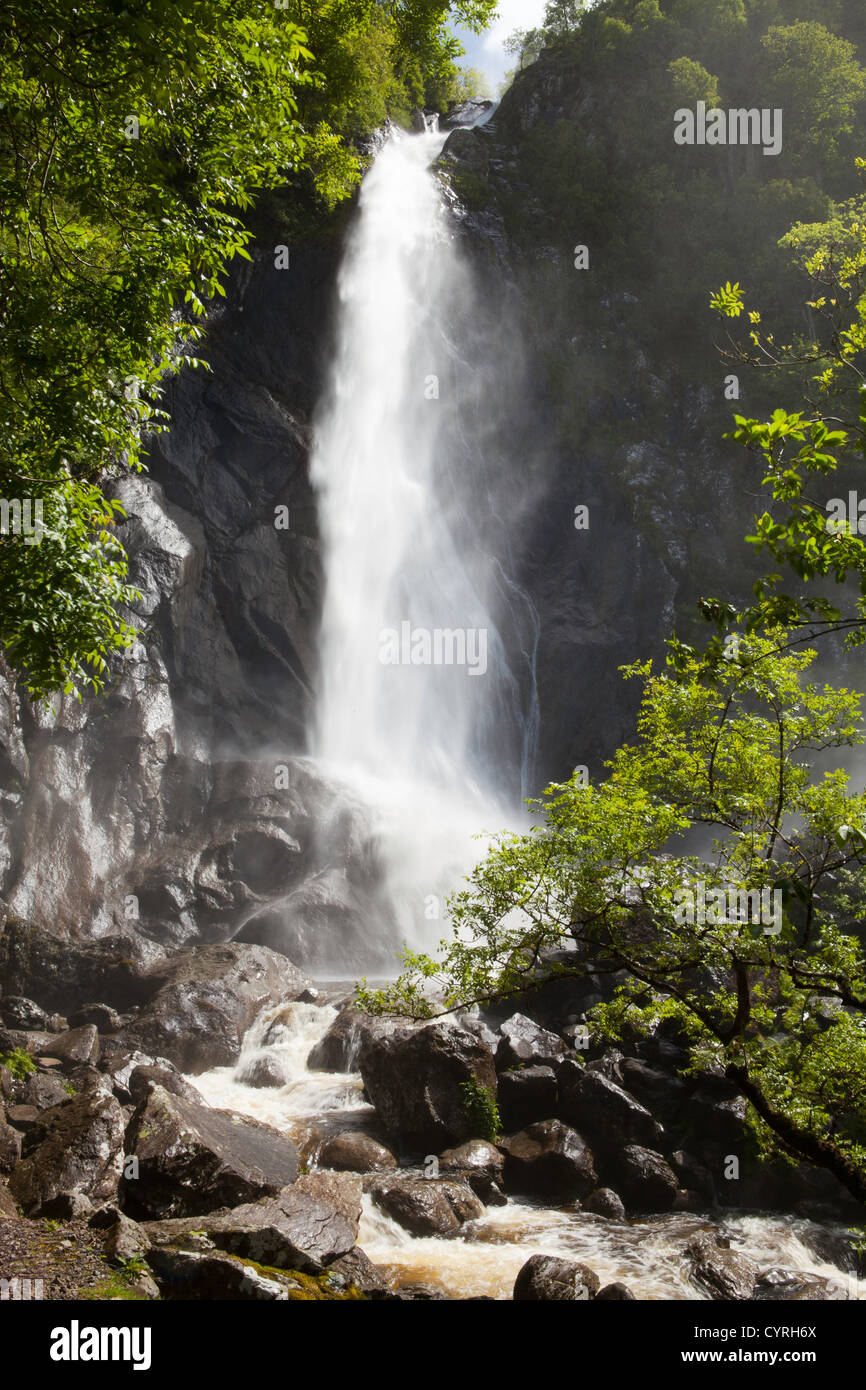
(216, 1125)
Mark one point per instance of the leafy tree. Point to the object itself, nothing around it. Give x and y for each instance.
(814, 76)
(594, 888)
(133, 140)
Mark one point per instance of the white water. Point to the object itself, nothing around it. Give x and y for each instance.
(437, 750)
(647, 1255)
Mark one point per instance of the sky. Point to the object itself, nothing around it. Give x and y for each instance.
(486, 52)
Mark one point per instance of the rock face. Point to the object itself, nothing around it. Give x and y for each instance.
(74, 1149)
(413, 1078)
(549, 1159)
(545, 1278)
(192, 1159)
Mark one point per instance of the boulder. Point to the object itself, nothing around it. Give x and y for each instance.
(263, 1071)
(525, 1043)
(661, 1093)
(413, 1078)
(204, 1000)
(17, 1012)
(602, 1110)
(605, 1202)
(527, 1095)
(8, 1205)
(58, 973)
(426, 1206)
(22, 1117)
(796, 1286)
(546, 1278)
(192, 1276)
(340, 1048)
(615, 1293)
(339, 1191)
(719, 1119)
(646, 1181)
(720, 1272)
(73, 1149)
(43, 1090)
(549, 1159)
(358, 1269)
(352, 1151)
(292, 1230)
(75, 1046)
(10, 1146)
(124, 1240)
(121, 1064)
(192, 1159)
(142, 1079)
(102, 1016)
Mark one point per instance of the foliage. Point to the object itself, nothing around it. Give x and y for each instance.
(771, 988)
(480, 1108)
(19, 1062)
(133, 141)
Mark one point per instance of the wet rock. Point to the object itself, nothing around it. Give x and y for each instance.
(723, 1273)
(796, 1286)
(192, 1159)
(615, 1293)
(358, 1269)
(717, 1118)
(339, 1191)
(17, 1012)
(426, 1206)
(73, 1047)
(646, 1181)
(10, 1146)
(465, 113)
(22, 1117)
(694, 1175)
(546, 1278)
(192, 1276)
(292, 1230)
(262, 1072)
(340, 1047)
(525, 1043)
(58, 973)
(205, 999)
(477, 1158)
(352, 1151)
(142, 1079)
(72, 1149)
(527, 1095)
(43, 1090)
(661, 1093)
(601, 1109)
(413, 1078)
(549, 1159)
(102, 1016)
(605, 1202)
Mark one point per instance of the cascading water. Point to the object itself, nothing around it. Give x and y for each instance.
(427, 699)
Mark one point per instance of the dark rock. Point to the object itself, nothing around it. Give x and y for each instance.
(192, 1276)
(717, 1118)
(10, 1147)
(796, 1286)
(121, 1063)
(661, 1093)
(341, 1192)
(549, 1159)
(605, 1202)
(426, 1206)
(340, 1048)
(693, 1175)
(352, 1151)
(527, 1095)
(646, 1181)
(205, 999)
(17, 1012)
(73, 1047)
(525, 1043)
(142, 1079)
(476, 1157)
(615, 1293)
(8, 1205)
(358, 1270)
(607, 1114)
(544, 1277)
(413, 1078)
(58, 973)
(192, 1159)
(73, 1149)
(292, 1230)
(721, 1272)
(102, 1016)
(43, 1090)
(23, 1117)
(262, 1072)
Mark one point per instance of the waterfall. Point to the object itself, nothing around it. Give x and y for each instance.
(427, 696)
